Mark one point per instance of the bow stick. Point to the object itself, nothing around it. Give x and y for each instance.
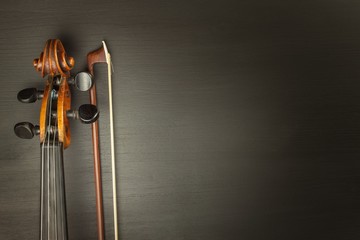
(102, 55)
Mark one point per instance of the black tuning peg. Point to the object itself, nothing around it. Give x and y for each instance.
(26, 130)
(30, 95)
(87, 113)
(83, 81)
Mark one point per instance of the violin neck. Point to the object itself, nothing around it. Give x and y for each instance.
(53, 206)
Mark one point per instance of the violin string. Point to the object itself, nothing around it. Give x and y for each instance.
(62, 231)
(48, 162)
(42, 192)
(55, 177)
(42, 187)
(60, 194)
(43, 172)
(50, 165)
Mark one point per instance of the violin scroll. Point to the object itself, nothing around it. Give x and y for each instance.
(53, 60)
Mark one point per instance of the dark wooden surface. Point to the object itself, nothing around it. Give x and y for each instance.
(234, 120)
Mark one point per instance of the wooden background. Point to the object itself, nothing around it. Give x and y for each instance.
(233, 119)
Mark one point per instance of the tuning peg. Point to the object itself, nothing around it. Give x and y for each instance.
(87, 113)
(83, 81)
(26, 130)
(30, 95)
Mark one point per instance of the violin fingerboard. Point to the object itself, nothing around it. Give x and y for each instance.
(53, 205)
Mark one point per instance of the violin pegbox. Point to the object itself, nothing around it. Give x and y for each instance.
(56, 97)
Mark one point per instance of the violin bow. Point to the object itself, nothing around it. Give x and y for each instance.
(102, 55)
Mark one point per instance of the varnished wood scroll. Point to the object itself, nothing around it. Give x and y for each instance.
(56, 64)
(53, 60)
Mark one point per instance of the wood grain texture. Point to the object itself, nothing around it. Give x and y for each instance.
(233, 120)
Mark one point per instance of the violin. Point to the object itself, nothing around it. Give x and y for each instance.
(54, 133)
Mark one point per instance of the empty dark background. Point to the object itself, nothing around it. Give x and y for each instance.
(233, 119)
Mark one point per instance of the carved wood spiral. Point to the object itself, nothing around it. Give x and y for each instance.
(53, 60)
